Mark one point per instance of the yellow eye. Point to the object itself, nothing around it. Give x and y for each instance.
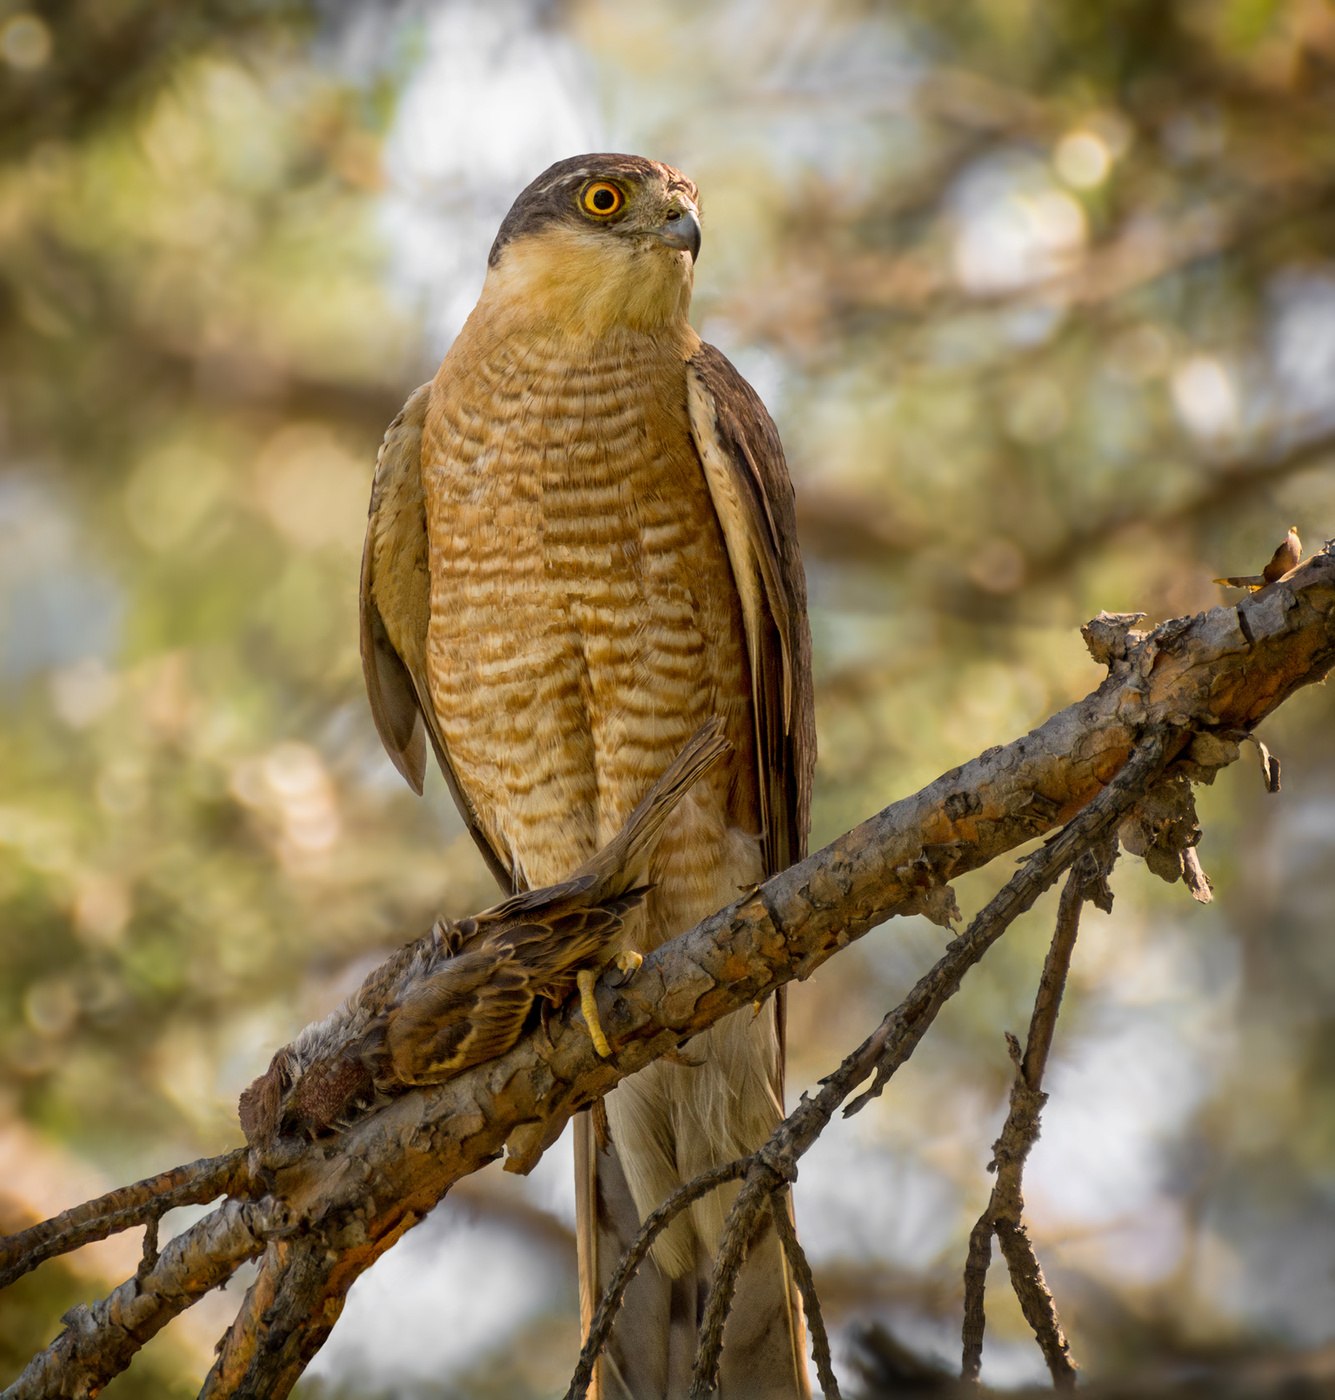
(602, 199)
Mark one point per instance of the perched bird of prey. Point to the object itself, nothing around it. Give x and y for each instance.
(466, 992)
(1288, 555)
(581, 546)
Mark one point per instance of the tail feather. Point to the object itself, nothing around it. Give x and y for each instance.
(670, 1122)
(653, 1343)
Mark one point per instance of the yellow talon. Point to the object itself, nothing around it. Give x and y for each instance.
(585, 980)
(628, 960)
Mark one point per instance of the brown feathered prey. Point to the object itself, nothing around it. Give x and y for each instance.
(581, 545)
(466, 992)
(536, 944)
(1288, 555)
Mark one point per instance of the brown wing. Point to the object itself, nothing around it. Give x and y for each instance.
(753, 497)
(472, 1010)
(395, 610)
(1288, 556)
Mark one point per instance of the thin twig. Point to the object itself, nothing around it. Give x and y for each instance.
(806, 1286)
(150, 1252)
(745, 1221)
(138, 1204)
(910, 1020)
(1036, 1301)
(1004, 1213)
(658, 1220)
(1087, 881)
(976, 1263)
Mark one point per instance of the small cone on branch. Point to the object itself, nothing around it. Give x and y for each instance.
(1285, 557)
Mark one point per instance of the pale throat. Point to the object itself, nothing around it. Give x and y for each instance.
(589, 285)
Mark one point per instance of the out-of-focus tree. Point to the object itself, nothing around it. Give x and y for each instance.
(1042, 297)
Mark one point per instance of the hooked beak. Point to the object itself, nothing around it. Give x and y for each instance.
(681, 229)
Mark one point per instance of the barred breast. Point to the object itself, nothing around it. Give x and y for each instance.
(584, 620)
(584, 623)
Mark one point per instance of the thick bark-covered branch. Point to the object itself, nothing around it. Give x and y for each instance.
(1206, 680)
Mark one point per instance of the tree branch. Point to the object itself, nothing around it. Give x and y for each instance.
(1200, 683)
(143, 1203)
(100, 1340)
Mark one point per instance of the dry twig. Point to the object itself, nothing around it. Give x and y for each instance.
(1004, 1215)
(143, 1203)
(806, 1286)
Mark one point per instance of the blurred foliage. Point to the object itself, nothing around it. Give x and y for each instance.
(1042, 296)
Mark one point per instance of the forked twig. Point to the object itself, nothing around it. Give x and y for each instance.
(655, 1223)
(1004, 1214)
(141, 1203)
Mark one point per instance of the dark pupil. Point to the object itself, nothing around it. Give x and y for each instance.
(603, 200)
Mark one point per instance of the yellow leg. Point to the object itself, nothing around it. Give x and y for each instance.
(585, 980)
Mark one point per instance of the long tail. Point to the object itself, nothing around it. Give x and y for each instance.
(651, 1352)
(721, 1102)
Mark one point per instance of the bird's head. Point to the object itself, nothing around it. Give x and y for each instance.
(598, 242)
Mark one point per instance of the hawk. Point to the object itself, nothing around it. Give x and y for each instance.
(581, 548)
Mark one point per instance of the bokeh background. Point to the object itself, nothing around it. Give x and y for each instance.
(1042, 296)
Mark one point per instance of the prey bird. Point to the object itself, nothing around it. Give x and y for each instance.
(1288, 555)
(538, 944)
(467, 991)
(581, 545)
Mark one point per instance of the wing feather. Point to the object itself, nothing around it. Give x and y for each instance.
(753, 497)
(395, 609)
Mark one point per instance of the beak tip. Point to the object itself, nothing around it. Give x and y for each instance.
(682, 230)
